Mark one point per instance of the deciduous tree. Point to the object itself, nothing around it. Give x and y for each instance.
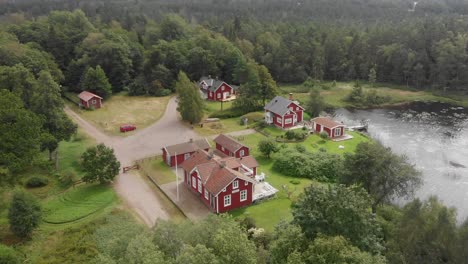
(190, 104)
(100, 164)
(95, 80)
(316, 103)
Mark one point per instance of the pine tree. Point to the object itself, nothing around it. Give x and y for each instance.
(190, 102)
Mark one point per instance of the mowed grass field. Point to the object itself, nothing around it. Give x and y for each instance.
(269, 213)
(335, 96)
(77, 203)
(120, 109)
(158, 170)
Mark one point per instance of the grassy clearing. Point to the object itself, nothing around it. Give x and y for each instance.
(158, 170)
(77, 203)
(222, 126)
(335, 96)
(70, 152)
(269, 213)
(212, 107)
(121, 109)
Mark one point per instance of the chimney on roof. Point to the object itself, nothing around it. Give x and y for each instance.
(291, 96)
(222, 163)
(191, 140)
(210, 154)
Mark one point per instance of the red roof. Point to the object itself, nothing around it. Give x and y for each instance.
(326, 122)
(215, 173)
(228, 143)
(86, 96)
(188, 147)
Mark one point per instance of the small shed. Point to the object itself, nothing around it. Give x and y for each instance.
(328, 125)
(90, 100)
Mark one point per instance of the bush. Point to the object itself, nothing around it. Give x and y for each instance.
(67, 178)
(36, 181)
(296, 135)
(24, 214)
(300, 148)
(319, 165)
(295, 182)
(267, 147)
(323, 135)
(163, 92)
(8, 255)
(290, 135)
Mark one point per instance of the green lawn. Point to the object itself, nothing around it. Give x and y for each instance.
(78, 203)
(70, 152)
(211, 106)
(140, 111)
(158, 170)
(315, 142)
(222, 126)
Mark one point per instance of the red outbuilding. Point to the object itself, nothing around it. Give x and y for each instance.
(217, 90)
(331, 127)
(218, 184)
(231, 147)
(177, 154)
(90, 100)
(284, 113)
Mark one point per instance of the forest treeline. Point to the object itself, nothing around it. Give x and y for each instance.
(331, 40)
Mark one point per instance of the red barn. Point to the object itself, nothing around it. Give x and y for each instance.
(216, 90)
(284, 113)
(220, 187)
(90, 100)
(231, 147)
(332, 128)
(183, 151)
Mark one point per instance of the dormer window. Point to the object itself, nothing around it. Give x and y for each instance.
(235, 184)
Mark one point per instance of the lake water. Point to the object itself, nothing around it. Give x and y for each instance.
(435, 138)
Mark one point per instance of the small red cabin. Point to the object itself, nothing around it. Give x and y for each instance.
(90, 100)
(331, 127)
(231, 147)
(216, 90)
(219, 186)
(176, 154)
(284, 113)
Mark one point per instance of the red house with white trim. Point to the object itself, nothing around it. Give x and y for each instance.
(90, 100)
(331, 127)
(217, 90)
(231, 147)
(177, 154)
(218, 184)
(284, 113)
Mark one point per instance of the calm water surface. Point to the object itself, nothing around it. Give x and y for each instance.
(435, 138)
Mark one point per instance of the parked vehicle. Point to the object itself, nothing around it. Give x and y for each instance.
(127, 128)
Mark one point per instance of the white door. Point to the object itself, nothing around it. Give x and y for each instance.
(225, 95)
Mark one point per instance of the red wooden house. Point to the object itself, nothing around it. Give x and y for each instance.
(90, 100)
(284, 113)
(325, 124)
(231, 147)
(220, 186)
(183, 151)
(216, 90)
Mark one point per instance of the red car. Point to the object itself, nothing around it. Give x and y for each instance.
(127, 128)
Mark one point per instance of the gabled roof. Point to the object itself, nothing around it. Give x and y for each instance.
(248, 161)
(216, 173)
(187, 147)
(279, 105)
(326, 122)
(214, 84)
(228, 143)
(86, 96)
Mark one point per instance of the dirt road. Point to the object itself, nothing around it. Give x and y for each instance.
(133, 190)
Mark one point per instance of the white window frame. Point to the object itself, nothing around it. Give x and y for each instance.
(246, 183)
(241, 153)
(291, 108)
(222, 148)
(194, 183)
(186, 156)
(339, 132)
(218, 96)
(227, 200)
(206, 194)
(235, 184)
(288, 121)
(199, 186)
(222, 88)
(94, 101)
(243, 193)
(279, 120)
